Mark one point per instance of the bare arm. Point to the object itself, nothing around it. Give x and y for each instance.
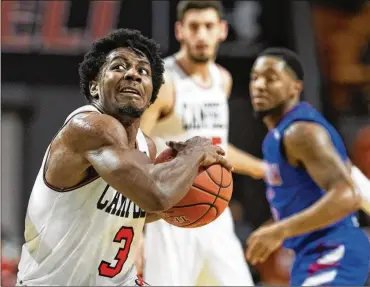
(151, 217)
(161, 107)
(103, 142)
(245, 163)
(310, 145)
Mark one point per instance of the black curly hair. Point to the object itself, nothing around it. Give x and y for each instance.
(96, 57)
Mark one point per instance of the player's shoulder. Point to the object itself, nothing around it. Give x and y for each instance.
(302, 136)
(300, 130)
(226, 78)
(92, 129)
(224, 72)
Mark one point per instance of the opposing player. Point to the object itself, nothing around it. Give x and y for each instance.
(86, 211)
(310, 189)
(194, 101)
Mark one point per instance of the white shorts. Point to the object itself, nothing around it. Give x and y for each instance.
(175, 256)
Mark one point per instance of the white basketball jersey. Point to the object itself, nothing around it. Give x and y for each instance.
(198, 111)
(85, 236)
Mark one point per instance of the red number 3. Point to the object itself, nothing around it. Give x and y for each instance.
(105, 268)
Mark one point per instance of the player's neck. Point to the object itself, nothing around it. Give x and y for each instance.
(276, 115)
(199, 70)
(131, 131)
(130, 124)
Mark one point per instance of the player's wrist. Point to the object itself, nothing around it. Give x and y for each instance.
(285, 229)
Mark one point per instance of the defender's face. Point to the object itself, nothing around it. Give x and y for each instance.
(201, 32)
(270, 84)
(125, 82)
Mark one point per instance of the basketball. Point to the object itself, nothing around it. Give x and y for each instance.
(208, 197)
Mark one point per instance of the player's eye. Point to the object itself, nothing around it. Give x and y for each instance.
(143, 71)
(272, 78)
(119, 67)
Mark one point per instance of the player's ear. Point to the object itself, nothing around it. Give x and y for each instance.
(297, 87)
(178, 31)
(224, 30)
(94, 89)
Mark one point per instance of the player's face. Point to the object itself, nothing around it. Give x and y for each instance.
(125, 83)
(271, 84)
(200, 33)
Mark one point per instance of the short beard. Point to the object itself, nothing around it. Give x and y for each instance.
(260, 115)
(199, 60)
(131, 112)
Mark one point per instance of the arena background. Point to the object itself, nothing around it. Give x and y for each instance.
(43, 42)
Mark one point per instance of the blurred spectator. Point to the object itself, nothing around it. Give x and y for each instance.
(361, 150)
(10, 251)
(342, 29)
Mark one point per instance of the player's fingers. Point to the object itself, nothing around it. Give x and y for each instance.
(223, 161)
(219, 150)
(265, 255)
(259, 250)
(250, 248)
(178, 146)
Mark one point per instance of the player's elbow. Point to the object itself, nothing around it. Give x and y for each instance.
(356, 199)
(351, 199)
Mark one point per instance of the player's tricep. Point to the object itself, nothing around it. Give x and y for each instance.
(311, 145)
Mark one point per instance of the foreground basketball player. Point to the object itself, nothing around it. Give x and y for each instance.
(310, 189)
(86, 211)
(194, 101)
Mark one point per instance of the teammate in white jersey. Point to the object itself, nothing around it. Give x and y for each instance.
(86, 211)
(194, 101)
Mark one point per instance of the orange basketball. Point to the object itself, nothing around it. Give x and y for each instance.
(206, 200)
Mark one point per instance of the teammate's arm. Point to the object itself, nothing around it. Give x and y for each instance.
(103, 142)
(243, 163)
(151, 217)
(309, 145)
(161, 107)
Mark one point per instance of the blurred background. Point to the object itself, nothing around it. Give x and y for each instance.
(42, 43)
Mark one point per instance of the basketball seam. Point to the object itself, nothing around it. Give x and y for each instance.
(194, 204)
(219, 184)
(219, 196)
(211, 205)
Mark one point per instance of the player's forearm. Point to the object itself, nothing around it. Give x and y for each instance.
(151, 217)
(245, 163)
(173, 179)
(331, 208)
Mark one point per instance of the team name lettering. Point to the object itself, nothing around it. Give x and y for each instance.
(272, 176)
(119, 206)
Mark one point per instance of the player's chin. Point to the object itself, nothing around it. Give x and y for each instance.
(260, 107)
(131, 110)
(201, 58)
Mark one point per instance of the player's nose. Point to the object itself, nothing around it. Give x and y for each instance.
(133, 75)
(260, 83)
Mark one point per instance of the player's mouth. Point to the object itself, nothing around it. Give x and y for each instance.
(201, 47)
(259, 99)
(130, 91)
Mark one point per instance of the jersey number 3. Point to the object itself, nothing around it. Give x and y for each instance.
(105, 268)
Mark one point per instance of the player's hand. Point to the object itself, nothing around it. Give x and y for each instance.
(212, 154)
(263, 242)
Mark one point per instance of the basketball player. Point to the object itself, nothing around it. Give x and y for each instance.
(194, 101)
(309, 185)
(86, 211)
